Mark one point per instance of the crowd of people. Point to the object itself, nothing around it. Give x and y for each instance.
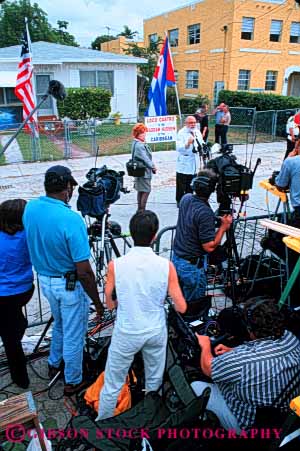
(46, 234)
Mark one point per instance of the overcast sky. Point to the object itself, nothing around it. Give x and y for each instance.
(89, 18)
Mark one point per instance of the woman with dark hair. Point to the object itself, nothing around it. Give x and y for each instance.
(142, 152)
(16, 287)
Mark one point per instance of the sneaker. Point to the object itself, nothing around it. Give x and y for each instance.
(72, 389)
(52, 371)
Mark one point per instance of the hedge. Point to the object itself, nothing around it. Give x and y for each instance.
(262, 102)
(82, 103)
(188, 105)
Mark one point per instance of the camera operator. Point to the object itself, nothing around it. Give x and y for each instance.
(141, 280)
(263, 372)
(196, 236)
(188, 143)
(59, 250)
(289, 177)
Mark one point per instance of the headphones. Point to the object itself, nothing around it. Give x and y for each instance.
(204, 183)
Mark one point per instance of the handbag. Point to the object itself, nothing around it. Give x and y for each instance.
(135, 167)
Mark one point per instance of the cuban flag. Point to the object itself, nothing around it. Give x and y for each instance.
(163, 76)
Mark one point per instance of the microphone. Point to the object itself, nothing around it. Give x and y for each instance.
(57, 90)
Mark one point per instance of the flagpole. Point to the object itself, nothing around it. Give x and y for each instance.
(34, 129)
(176, 90)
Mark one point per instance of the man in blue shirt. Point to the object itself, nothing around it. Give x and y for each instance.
(59, 250)
(289, 177)
(196, 236)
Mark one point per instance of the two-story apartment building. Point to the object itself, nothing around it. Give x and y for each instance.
(232, 44)
(119, 45)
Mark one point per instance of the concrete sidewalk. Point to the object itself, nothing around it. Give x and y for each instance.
(26, 180)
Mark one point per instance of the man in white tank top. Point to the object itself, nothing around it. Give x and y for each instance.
(141, 279)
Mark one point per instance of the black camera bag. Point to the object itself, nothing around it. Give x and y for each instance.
(135, 167)
(91, 199)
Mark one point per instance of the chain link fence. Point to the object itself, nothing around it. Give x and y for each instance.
(77, 139)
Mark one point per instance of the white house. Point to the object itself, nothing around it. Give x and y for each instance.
(74, 67)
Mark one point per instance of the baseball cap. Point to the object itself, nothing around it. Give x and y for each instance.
(297, 119)
(59, 174)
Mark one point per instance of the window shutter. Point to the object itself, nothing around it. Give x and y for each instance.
(295, 29)
(276, 27)
(248, 24)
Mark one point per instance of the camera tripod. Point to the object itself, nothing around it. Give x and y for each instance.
(204, 153)
(102, 239)
(233, 258)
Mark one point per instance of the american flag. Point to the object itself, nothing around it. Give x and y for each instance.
(24, 89)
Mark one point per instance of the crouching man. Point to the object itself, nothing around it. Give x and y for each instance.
(263, 372)
(141, 280)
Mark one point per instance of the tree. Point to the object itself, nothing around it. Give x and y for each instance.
(96, 44)
(63, 36)
(146, 71)
(128, 33)
(12, 15)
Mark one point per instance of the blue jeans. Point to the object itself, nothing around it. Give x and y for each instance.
(192, 279)
(70, 310)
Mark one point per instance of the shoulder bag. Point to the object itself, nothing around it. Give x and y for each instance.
(135, 167)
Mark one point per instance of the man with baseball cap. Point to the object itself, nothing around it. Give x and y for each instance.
(59, 250)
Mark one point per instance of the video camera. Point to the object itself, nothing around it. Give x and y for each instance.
(102, 189)
(235, 180)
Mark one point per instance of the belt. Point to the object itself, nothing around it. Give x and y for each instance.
(197, 261)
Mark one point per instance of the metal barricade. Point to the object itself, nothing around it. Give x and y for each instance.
(248, 234)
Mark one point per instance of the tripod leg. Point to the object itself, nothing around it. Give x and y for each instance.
(43, 334)
(114, 247)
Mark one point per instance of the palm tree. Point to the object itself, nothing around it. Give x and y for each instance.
(128, 33)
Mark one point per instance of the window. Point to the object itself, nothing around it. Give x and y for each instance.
(97, 78)
(295, 33)
(275, 30)
(8, 97)
(244, 79)
(247, 28)
(175, 74)
(194, 34)
(173, 37)
(41, 87)
(271, 79)
(88, 79)
(192, 79)
(153, 38)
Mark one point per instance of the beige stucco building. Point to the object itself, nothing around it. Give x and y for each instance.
(119, 45)
(233, 44)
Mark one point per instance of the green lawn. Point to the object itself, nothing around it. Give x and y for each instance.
(112, 140)
(49, 151)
